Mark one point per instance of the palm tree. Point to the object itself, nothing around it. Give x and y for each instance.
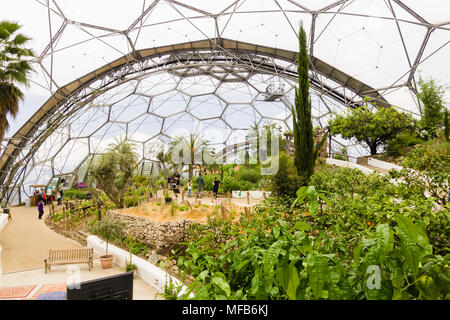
(163, 159)
(13, 71)
(194, 143)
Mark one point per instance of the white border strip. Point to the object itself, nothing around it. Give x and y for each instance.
(383, 164)
(3, 220)
(154, 276)
(342, 163)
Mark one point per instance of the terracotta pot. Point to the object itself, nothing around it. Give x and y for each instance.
(107, 261)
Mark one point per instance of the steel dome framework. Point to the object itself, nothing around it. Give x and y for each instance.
(181, 66)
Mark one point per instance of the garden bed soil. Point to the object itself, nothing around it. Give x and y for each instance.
(162, 212)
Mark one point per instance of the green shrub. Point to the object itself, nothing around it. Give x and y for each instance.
(285, 182)
(139, 180)
(131, 201)
(269, 255)
(73, 194)
(397, 145)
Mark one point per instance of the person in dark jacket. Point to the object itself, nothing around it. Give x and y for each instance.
(201, 184)
(41, 209)
(216, 184)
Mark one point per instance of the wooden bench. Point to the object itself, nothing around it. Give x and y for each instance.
(70, 256)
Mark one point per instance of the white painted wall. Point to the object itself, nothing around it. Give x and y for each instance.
(346, 164)
(147, 271)
(3, 220)
(383, 164)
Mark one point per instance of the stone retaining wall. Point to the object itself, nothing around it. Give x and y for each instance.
(162, 236)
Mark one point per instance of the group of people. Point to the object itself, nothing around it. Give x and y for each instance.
(201, 185)
(174, 181)
(43, 198)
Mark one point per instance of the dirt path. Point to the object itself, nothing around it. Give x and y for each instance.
(25, 240)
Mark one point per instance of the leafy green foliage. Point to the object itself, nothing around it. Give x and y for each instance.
(114, 170)
(14, 70)
(399, 144)
(432, 160)
(72, 194)
(108, 229)
(372, 241)
(373, 128)
(246, 177)
(312, 196)
(432, 97)
(285, 181)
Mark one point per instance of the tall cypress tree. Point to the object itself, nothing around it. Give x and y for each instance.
(301, 115)
(446, 127)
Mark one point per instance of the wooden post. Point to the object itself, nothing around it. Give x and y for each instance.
(52, 209)
(248, 197)
(190, 205)
(85, 218)
(222, 209)
(182, 195)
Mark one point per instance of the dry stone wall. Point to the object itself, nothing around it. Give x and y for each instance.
(162, 236)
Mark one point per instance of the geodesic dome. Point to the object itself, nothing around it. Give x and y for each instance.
(152, 70)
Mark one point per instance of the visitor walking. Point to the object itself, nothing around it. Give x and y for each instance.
(41, 209)
(189, 186)
(40, 196)
(201, 184)
(177, 178)
(216, 183)
(58, 197)
(45, 198)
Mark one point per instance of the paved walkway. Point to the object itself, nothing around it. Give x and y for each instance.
(25, 242)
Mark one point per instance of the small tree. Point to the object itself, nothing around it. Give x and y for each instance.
(108, 230)
(129, 266)
(431, 95)
(371, 128)
(114, 170)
